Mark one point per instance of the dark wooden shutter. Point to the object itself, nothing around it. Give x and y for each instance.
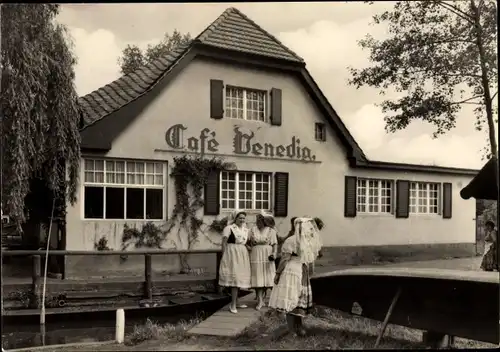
(216, 99)
(447, 197)
(211, 206)
(276, 107)
(402, 199)
(281, 194)
(350, 192)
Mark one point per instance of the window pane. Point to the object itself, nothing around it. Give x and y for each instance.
(99, 165)
(135, 203)
(150, 179)
(159, 168)
(150, 168)
(110, 165)
(93, 200)
(154, 203)
(114, 203)
(89, 176)
(120, 166)
(110, 178)
(99, 176)
(89, 165)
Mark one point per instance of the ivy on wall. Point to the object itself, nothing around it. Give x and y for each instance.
(190, 177)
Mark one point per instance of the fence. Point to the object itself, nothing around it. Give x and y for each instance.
(148, 279)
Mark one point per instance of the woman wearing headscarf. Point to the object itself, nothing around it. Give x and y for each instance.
(263, 243)
(292, 293)
(281, 240)
(234, 270)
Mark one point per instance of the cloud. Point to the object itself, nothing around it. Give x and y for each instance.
(97, 54)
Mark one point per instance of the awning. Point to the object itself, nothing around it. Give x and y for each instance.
(483, 185)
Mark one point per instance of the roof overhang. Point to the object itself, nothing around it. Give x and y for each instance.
(484, 184)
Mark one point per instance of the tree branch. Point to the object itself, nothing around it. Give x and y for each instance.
(456, 11)
(468, 100)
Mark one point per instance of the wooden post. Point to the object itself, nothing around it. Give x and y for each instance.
(437, 340)
(35, 285)
(148, 284)
(218, 259)
(388, 316)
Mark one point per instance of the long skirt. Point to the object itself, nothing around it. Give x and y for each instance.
(293, 293)
(490, 260)
(234, 270)
(262, 269)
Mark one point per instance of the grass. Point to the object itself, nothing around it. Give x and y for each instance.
(327, 329)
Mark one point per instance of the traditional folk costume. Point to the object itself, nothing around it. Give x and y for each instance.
(262, 241)
(234, 270)
(293, 294)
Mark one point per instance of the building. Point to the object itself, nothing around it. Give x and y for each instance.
(238, 93)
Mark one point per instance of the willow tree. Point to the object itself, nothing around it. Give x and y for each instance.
(39, 109)
(442, 55)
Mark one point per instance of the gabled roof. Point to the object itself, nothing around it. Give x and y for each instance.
(231, 37)
(235, 31)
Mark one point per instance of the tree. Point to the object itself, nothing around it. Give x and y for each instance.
(133, 57)
(442, 56)
(40, 114)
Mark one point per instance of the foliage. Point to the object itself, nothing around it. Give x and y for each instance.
(40, 112)
(218, 225)
(190, 177)
(133, 57)
(102, 245)
(441, 55)
(490, 213)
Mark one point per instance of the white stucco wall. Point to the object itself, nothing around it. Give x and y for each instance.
(315, 189)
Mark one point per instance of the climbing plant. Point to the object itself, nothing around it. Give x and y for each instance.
(190, 175)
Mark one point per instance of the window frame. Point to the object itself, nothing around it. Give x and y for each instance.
(104, 185)
(266, 120)
(322, 131)
(379, 196)
(254, 191)
(439, 198)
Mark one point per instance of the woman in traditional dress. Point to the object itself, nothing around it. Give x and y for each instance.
(281, 240)
(234, 270)
(292, 293)
(263, 243)
(490, 259)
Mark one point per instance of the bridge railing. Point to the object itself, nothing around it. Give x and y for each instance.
(37, 256)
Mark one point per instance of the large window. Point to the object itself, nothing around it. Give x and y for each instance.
(374, 196)
(245, 191)
(424, 198)
(117, 189)
(246, 104)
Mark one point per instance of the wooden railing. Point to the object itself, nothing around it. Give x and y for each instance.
(148, 277)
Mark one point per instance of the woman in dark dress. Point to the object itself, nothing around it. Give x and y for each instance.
(490, 259)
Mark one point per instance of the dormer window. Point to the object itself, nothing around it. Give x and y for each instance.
(246, 104)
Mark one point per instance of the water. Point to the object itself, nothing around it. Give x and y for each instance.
(78, 331)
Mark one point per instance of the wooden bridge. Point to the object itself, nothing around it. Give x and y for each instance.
(225, 323)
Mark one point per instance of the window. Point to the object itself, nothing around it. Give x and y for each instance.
(320, 132)
(115, 189)
(374, 196)
(245, 190)
(246, 104)
(424, 198)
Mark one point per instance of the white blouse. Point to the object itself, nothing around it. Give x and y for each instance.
(240, 233)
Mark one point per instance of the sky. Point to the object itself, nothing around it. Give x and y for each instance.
(324, 34)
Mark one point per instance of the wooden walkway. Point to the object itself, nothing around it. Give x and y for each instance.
(225, 323)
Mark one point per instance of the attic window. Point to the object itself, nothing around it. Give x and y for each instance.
(246, 104)
(320, 132)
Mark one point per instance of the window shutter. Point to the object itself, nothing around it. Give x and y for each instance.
(447, 197)
(350, 192)
(276, 107)
(211, 201)
(216, 99)
(402, 199)
(281, 194)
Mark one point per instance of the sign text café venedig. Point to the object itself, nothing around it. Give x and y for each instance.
(243, 144)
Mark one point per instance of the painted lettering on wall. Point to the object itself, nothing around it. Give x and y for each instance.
(244, 143)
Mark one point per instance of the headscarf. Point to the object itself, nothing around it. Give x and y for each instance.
(268, 219)
(307, 240)
(234, 215)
